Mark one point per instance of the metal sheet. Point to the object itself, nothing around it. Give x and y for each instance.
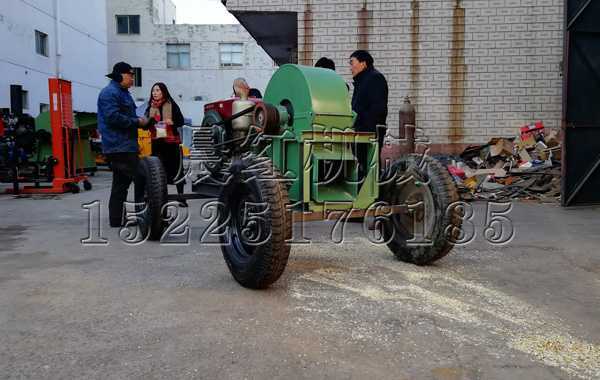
(581, 110)
(276, 32)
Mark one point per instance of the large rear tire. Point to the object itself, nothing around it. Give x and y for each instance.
(210, 137)
(155, 196)
(428, 232)
(258, 225)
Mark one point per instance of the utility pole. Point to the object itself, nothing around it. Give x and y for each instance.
(58, 43)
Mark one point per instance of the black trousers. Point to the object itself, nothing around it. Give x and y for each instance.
(362, 154)
(126, 168)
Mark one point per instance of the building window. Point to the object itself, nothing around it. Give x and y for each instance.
(137, 77)
(231, 54)
(127, 24)
(44, 107)
(25, 99)
(178, 56)
(41, 43)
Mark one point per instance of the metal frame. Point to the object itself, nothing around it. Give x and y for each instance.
(581, 121)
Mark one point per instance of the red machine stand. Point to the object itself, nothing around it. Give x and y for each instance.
(65, 139)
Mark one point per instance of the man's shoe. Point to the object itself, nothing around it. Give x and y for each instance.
(182, 202)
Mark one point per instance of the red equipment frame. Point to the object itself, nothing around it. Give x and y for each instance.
(225, 107)
(65, 175)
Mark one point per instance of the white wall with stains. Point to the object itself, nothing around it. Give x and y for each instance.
(77, 49)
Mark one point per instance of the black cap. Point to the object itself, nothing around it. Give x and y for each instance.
(120, 68)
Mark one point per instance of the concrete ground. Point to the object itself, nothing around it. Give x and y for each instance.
(528, 309)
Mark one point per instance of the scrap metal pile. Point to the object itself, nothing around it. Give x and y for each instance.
(524, 167)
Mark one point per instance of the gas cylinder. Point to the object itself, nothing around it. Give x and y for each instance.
(407, 118)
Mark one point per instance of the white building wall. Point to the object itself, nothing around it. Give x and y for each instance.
(170, 12)
(474, 68)
(164, 12)
(205, 77)
(83, 55)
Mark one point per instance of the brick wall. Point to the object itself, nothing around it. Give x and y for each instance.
(474, 68)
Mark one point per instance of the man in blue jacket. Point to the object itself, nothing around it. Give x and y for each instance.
(118, 125)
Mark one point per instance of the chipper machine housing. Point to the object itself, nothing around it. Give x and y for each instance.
(292, 156)
(307, 112)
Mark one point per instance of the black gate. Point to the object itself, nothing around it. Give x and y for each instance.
(581, 104)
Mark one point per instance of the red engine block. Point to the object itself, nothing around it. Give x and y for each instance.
(225, 107)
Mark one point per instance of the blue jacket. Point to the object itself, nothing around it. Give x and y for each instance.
(117, 120)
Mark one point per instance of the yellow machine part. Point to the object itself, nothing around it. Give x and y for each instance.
(144, 143)
(185, 151)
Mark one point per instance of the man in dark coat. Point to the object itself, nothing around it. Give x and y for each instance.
(369, 101)
(325, 63)
(118, 125)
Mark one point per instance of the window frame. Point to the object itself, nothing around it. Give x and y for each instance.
(178, 47)
(137, 79)
(231, 52)
(25, 99)
(41, 43)
(129, 19)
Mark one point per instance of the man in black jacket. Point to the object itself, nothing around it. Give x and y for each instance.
(369, 101)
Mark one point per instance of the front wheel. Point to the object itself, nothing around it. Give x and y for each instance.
(428, 230)
(155, 196)
(257, 225)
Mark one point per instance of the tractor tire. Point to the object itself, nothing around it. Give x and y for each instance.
(421, 178)
(257, 261)
(87, 185)
(155, 196)
(210, 156)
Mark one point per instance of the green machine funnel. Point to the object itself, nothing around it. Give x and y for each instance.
(308, 116)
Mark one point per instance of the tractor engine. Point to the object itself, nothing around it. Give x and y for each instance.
(225, 127)
(240, 126)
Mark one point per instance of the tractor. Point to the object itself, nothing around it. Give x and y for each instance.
(291, 157)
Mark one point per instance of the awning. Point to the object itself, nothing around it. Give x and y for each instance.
(275, 32)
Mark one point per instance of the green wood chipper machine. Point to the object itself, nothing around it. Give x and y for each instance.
(292, 157)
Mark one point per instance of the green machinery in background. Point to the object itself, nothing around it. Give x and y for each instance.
(86, 122)
(292, 156)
